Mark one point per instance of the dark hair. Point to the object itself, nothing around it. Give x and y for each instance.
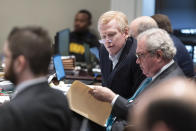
(177, 115)
(34, 44)
(86, 12)
(163, 22)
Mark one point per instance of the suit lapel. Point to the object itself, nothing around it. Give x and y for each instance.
(105, 63)
(125, 52)
(161, 77)
(164, 74)
(122, 59)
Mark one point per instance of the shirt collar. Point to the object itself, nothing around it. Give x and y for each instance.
(116, 57)
(24, 85)
(163, 68)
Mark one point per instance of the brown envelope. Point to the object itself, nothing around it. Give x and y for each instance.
(86, 105)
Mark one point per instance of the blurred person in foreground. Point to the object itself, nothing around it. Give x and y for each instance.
(34, 105)
(155, 52)
(170, 106)
(141, 24)
(182, 56)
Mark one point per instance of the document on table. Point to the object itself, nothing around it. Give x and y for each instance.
(81, 102)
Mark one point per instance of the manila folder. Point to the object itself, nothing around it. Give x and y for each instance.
(81, 102)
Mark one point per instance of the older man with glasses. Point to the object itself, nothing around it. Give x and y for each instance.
(155, 52)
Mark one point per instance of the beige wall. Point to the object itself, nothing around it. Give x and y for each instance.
(54, 15)
(132, 8)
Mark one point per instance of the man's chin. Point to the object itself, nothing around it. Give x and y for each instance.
(146, 74)
(111, 52)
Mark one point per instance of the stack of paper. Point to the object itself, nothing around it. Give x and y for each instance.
(61, 86)
(68, 62)
(86, 105)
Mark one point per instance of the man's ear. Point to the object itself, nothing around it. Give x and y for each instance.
(159, 54)
(20, 64)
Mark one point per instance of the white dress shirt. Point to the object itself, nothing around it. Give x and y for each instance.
(116, 57)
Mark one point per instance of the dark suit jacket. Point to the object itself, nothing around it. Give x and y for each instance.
(127, 75)
(182, 57)
(36, 108)
(121, 106)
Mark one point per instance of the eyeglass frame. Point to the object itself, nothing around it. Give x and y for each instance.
(103, 41)
(109, 38)
(142, 55)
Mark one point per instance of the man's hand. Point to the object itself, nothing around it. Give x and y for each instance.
(102, 94)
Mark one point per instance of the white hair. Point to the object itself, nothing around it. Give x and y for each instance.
(158, 39)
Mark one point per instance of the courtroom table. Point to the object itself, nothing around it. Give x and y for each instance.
(87, 79)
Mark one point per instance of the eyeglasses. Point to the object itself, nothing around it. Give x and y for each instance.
(107, 37)
(141, 55)
(103, 41)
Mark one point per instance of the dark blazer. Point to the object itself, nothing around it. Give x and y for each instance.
(121, 106)
(36, 108)
(127, 75)
(182, 57)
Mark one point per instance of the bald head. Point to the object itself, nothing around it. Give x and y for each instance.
(140, 25)
(169, 106)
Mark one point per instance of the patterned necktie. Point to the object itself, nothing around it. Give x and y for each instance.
(141, 88)
(144, 84)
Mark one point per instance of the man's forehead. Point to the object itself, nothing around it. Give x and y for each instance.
(141, 46)
(109, 27)
(111, 23)
(107, 31)
(82, 16)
